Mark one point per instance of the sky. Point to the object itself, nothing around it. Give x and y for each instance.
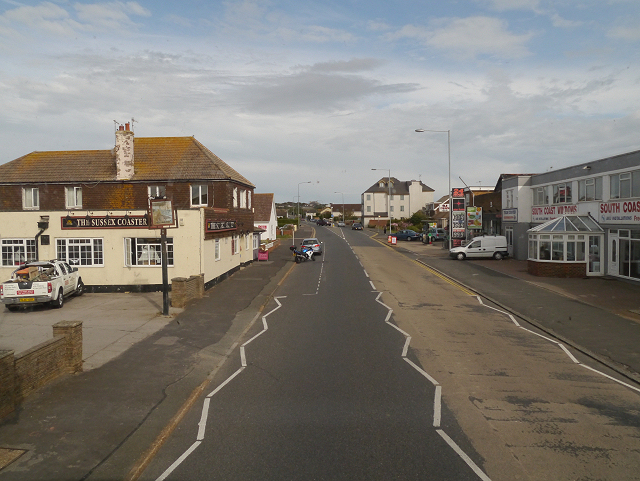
(309, 97)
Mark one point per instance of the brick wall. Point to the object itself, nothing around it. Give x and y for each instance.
(22, 374)
(183, 290)
(557, 269)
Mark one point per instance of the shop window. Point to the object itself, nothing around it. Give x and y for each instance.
(146, 251)
(73, 198)
(509, 198)
(217, 250)
(590, 189)
(30, 198)
(199, 195)
(80, 252)
(544, 253)
(533, 248)
(540, 196)
(562, 193)
(18, 251)
(557, 248)
(620, 185)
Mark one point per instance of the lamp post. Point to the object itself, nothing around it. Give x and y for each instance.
(448, 177)
(299, 184)
(342, 204)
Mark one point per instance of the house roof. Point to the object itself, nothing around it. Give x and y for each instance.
(262, 204)
(155, 159)
(398, 187)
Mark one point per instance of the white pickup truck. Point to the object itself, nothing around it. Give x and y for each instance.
(41, 282)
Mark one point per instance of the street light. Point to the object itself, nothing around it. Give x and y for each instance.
(299, 184)
(389, 198)
(342, 204)
(449, 177)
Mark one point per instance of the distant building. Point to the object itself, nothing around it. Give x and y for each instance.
(405, 199)
(350, 210)
(265, 217)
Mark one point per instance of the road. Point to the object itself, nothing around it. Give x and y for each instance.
(368, 365)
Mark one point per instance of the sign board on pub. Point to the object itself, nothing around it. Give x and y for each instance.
(220, 225)
(105, 222)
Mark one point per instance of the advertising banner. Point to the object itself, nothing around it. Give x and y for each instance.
(510, 215)
(474, 217)
(458, 217)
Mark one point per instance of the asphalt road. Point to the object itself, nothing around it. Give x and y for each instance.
(322, 390)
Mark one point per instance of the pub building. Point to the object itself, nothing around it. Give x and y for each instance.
(91, 209)
(578, 221)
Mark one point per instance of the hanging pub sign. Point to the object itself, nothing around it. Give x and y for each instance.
(105, 222)
(220, 225)
(162, 214)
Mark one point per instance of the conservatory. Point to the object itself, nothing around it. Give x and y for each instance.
(567, 246)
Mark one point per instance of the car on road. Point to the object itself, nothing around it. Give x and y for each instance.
(356, 226)
(322, 222)
(407, 234)
(314, 243)
(483, 246)
(341, 224)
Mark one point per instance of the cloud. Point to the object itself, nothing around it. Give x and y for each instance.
(46, 17)
(631, 33)
(469, 37)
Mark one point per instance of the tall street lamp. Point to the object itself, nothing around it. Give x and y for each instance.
(389, 198)
(342, 204)
(449, 178)
(299, 184)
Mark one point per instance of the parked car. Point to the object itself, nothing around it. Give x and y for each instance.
(407, 234)
(41, 282)
(484, 246)
(314, 243)
(437, 234)
(356, 226)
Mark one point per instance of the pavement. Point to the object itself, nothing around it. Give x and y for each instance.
(139, 381)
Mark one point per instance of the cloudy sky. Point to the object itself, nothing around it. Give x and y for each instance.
(291, 91)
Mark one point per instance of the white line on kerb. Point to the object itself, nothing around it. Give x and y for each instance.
(207, 401)
(562, 346)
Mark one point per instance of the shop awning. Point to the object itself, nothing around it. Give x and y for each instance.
(569, 223)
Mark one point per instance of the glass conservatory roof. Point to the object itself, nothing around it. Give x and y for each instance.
(569, 223)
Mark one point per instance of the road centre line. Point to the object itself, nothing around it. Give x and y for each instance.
(437, 398)
(205, 405)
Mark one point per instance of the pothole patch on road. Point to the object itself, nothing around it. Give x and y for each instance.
(8, 456)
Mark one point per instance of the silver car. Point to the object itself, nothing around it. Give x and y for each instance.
(314, 243)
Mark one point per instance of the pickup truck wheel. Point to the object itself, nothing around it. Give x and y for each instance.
(460, 256)
(59, 301)
(497, 256)
(80, 288)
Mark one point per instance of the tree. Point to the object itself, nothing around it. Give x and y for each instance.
(417, 218)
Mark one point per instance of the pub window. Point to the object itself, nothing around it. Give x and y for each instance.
(243, 199)
(235, 197)
(199, 195)
(157, 192)
(368, 208)
(73, 198)
(18, 251)
(256, 242)
(217, 250)
(562, 193)
(81, 252)
(30, 198)
(140, 251)
(248, 199)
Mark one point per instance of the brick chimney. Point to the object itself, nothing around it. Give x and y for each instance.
(124, 153)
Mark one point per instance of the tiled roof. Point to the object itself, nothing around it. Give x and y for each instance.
(155, 158)
(398, 187)
(262, 204)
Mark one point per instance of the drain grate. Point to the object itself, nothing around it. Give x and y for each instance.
(8, 456)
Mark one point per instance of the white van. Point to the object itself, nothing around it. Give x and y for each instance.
(486, 246)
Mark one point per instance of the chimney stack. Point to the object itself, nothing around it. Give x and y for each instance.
(124, 153)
